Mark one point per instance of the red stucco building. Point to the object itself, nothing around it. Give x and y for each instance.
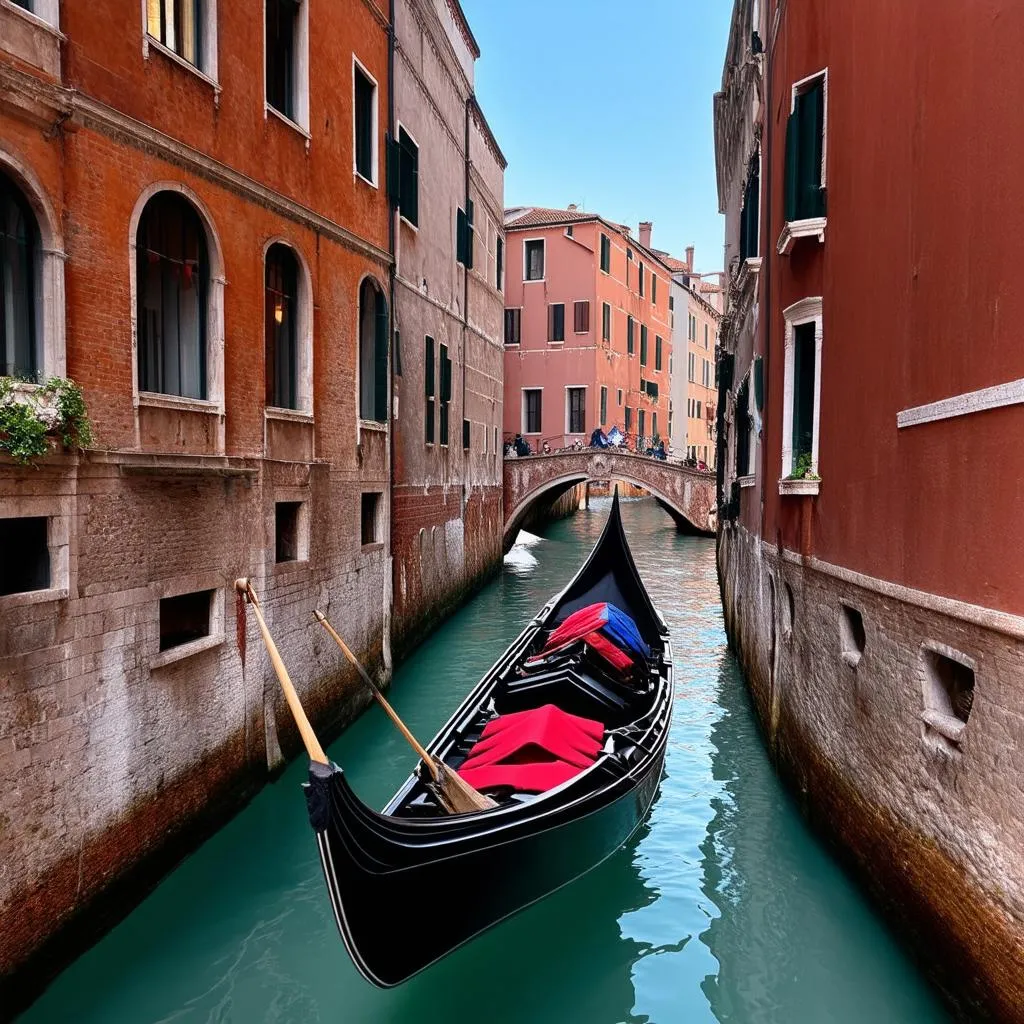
(870, 386)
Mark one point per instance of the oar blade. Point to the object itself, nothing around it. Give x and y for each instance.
(457, 795)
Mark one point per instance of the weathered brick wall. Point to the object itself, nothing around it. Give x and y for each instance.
(935, 833)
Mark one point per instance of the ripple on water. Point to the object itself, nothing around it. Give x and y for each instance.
(722, 907)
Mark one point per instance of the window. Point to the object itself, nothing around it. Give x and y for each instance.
(398, 354)
(640, 279)
(280, 314)
(495, 440)
(654, 425)
(852, 635)
(606, 254)
(629, 335)
(532, 410)
(364, 102)
(20, 354)
(802, 388)
(576, 405)
(568, 231)
(643, 344)
(698, 408)
(672, 311)
(606, 322)
(289, 531)
(445, 366)
(174, 23)
(24, 555)
(533, 259)
(654, 289)
(464, 236)
(743, 429)
(604, 405)
(513, 320)
(556, 321)
(465, 435)
(948, 683)
(500, 264)
(619, 396)
(428, 379)
(750, 217)
(657, 352)
(804, 193)
(641, 422)
(286, 59)
(705, 336)
(369, 525)
(185, 618)
(692, 368)
(173, 279)
(373, 352)
(628, 419)
(581, 317)
(408, 177)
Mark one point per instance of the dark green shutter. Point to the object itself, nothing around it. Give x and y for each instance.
(394, 171)
(446, 375)
(811, 111)
(500, 263)
(380, 363)
(792, 166)
(465, 435)
(629, 335)
(428, 367)
(469, 235)
(398, 355)
(643, 344)
(461, 235)
(759, 383)
(803, 397)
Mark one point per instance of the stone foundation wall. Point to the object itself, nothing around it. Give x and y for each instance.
(933, 826)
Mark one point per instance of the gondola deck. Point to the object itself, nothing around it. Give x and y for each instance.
(463, 873)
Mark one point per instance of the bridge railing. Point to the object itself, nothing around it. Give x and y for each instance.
(637, 444)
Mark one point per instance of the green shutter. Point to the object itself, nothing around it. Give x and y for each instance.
(759, 382)
(643, 344)
(811, 111)
(394, 171)
(465, 434)
(803, 392)
(469, 235)
(380, 363)
(792, 169)
(446, 375)
(629, 335)
(428, 367)
(460, 236)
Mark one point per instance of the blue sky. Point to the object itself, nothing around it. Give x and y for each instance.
(607, 103)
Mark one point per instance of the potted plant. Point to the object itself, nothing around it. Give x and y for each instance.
(34, 416)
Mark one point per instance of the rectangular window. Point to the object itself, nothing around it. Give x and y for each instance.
(643, 344)
(185, 618)
(657, 352)
(408, 177)
(495, 440)
(750, 217)
(581, 316)
(576, 406)
(640, 279)
(513, 320)
(698, 408)
(604, 405)
(654, 289)
(532, 410)
(286, 46)
(288, 531)
(365, 107)
(500, 265)
(464, 235)
(428, 380)
(641, 422)
(803, 393)
(24, 555)
(606, 322)
(804, 193)
(692, 368)
(705, 336)
(556, 321)
(369, 526)
(654, 426)
(619, 396)
(743, 430)
(533, 260)
(629, 335)
(629, 419)
(606, 254)
(175, 23)
(445, 367)
(465, 435)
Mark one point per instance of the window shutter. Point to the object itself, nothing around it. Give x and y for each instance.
(629, 335)
(465, 434)
(394, 158)
(469, 235)
(811, 111)
(428, 367)
(446, 375)
(499, 263)
(791, 190)
(380, 363)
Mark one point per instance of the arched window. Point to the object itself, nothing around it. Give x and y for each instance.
(281, 327)
(373, 353)
(173, 291)
(19, 268)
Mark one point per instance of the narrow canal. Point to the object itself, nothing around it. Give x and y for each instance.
(724, 907)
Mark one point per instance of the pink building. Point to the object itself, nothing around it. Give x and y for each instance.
(587, 336)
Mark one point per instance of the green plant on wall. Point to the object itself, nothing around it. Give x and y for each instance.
(802, 469)
(30, 416)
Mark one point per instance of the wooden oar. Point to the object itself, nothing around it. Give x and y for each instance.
(455, 794)
(313, 748)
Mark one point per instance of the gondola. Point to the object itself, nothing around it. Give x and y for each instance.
(412, 883)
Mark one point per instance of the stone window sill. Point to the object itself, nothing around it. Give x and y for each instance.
(289, 415)
(158, 401)
(380, 428)
(794, 229)
(33, 19)
(746, 481)
(154, 44)
(799, 486)
(285, 119)
(292, 565)
(168, 657)
(369, 549)
(851, 658)
(948, 726)
(27, 597)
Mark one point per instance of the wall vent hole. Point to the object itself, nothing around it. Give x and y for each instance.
(851, 634)
(948, 696)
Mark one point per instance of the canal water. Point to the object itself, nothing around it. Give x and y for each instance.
(722, 908)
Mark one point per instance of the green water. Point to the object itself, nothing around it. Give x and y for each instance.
(724, 907)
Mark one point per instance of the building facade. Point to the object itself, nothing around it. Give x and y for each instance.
(447, 525)
(871, 596)
(588, 341)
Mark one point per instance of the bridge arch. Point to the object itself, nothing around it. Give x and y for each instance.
(687, 494)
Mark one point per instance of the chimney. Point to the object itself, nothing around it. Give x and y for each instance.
(689, 258)
(572, 207)
(645, 233)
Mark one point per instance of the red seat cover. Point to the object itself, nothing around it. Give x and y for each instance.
(598, 643)
(588, 725)
(542, 735)
(526, 778)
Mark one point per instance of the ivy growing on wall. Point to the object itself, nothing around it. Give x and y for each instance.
(31, 417)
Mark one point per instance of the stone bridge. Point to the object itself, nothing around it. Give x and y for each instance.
(687, 494)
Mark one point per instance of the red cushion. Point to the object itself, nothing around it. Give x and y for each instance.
(587, 725)
(526, 778)
(580, 623)
(544, 734)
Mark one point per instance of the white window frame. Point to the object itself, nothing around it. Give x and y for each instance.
(375, 180)
(805, 311)
(512, 344)
(574, 387)
(535, 280)
(809, 226)
(745, 479)
(575, 303)
(522, 418)
(207, 67)
(301, 120)
(303, 337)
(802, 86)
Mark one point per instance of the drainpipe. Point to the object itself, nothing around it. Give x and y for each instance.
(392, 249)
(766, 162)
